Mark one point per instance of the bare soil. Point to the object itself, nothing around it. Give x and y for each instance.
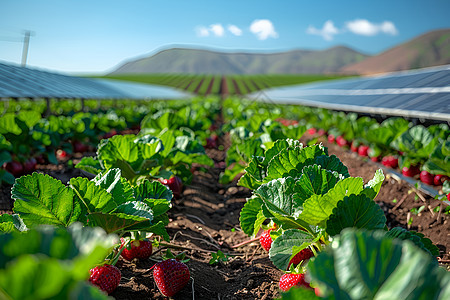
(206, 218)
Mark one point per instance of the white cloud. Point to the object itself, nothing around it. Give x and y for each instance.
(202, 31)
(327, 32)
(235, 30)
(217, 29)
(364, 27)
(263, 29)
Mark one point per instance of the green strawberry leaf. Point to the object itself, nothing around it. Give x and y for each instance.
(249, 215)
(315, 181)
(318, 208)
(377, 267)
(417, 238)
(289, 243)
(90, 165)
(41, 199)
(356, 211)
(93, 197)
(372, 188)
(152, 190)
(10, 223)
(116, 185)
(290, 161)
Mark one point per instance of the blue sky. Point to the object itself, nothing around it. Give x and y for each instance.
(82, 36)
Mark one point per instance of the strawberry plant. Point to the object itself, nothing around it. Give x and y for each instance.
(107, 201)
(51, 263)
(388, 267)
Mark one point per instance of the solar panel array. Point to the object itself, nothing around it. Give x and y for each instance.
(20, 82)
(421, 93)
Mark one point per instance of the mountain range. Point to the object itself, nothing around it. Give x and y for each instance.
(429, 49)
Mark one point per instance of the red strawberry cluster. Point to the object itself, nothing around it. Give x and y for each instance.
(18, 169)
(141, 249)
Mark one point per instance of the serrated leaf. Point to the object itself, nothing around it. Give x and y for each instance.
(318, 208)
(315, 181)
(254, 173)
(250, 148)
(249, 215)
(417, 238)
(148, 146)
(138, 209)
(90, 165)
(119, 148)
(12, 222)
(118, 222)
(93, 197)
(278, 195)
(281, 250)
(377, 267)
(41, 199)
(158, 206)
(290, 161)
(332, 163)
(372, 188)
(152, 190)
(117, 186)
(356, 211)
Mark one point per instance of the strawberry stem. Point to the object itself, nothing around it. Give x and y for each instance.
(245, 243)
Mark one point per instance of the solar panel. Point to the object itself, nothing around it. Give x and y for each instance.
(21, 82)
(421, 93)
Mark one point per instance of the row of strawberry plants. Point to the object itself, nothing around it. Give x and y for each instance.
(395, 142)
(418, 151)
(313, 205)
(27, 139)
(129, 197)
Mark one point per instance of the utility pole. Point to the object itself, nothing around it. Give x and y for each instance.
(26, 43)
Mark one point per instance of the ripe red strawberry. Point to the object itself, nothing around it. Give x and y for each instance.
(211, 142)
(426, 177)
(331, 138)
(312, 130)
(29, 166)
(61, 154)
(448, 196)
(171, 276)
(411, 171)
(341, 141)
(439, 179)
(266, 240)
(354, 146)
(14, 167)
(363, 150)
(321, 132)
(141, 249)
(302, 255)
(390, 161)
(375, 158)
(106, 277)
(174, 184)
(289, 280)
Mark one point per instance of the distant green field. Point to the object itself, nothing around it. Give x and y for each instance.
(221, 85)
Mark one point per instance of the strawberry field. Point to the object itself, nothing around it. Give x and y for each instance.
(220, 199)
